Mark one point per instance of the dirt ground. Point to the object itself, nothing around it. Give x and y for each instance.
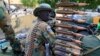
(25, 22)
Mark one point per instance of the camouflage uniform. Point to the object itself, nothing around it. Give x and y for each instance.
(41, 33)
(37, 37)
(42, 41)
(6, 26)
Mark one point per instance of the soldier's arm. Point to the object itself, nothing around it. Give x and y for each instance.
(61, 37)
(50, 34)
(58, 37)
(50, 31)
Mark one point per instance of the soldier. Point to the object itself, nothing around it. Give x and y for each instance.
(7, 28)
(41, 34)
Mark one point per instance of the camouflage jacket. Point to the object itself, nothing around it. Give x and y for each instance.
(7, 19)
(36, 38)
(2, 4)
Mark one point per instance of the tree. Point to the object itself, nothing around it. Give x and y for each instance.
(51, 2)
(29, 3)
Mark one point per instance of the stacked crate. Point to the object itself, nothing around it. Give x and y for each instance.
(65, 27)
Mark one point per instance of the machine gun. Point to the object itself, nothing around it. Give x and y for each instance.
(68, 46)
(69, 33)
(69, 4)
(67, 39)
(65, 50)
(64, 12)
(70, 20)
(88, 27)
(70, 27)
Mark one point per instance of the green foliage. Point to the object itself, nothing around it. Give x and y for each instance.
(29, 3)
(51, 2)
(92, 3)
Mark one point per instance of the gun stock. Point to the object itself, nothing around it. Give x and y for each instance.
(70, 27)
(68, 46)
(60, 53)
(66, 12)
(70, 4)
(70, 20)
(70, 33)
(64, 19)
(67, 50)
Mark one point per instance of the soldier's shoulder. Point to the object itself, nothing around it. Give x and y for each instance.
(42, 25)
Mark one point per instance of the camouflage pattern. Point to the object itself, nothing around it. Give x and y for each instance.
(41, 37)
(2, 4)
(7, 28)
(36, 38)
(40, 32)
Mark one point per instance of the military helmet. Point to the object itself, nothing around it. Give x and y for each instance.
(42, 7)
